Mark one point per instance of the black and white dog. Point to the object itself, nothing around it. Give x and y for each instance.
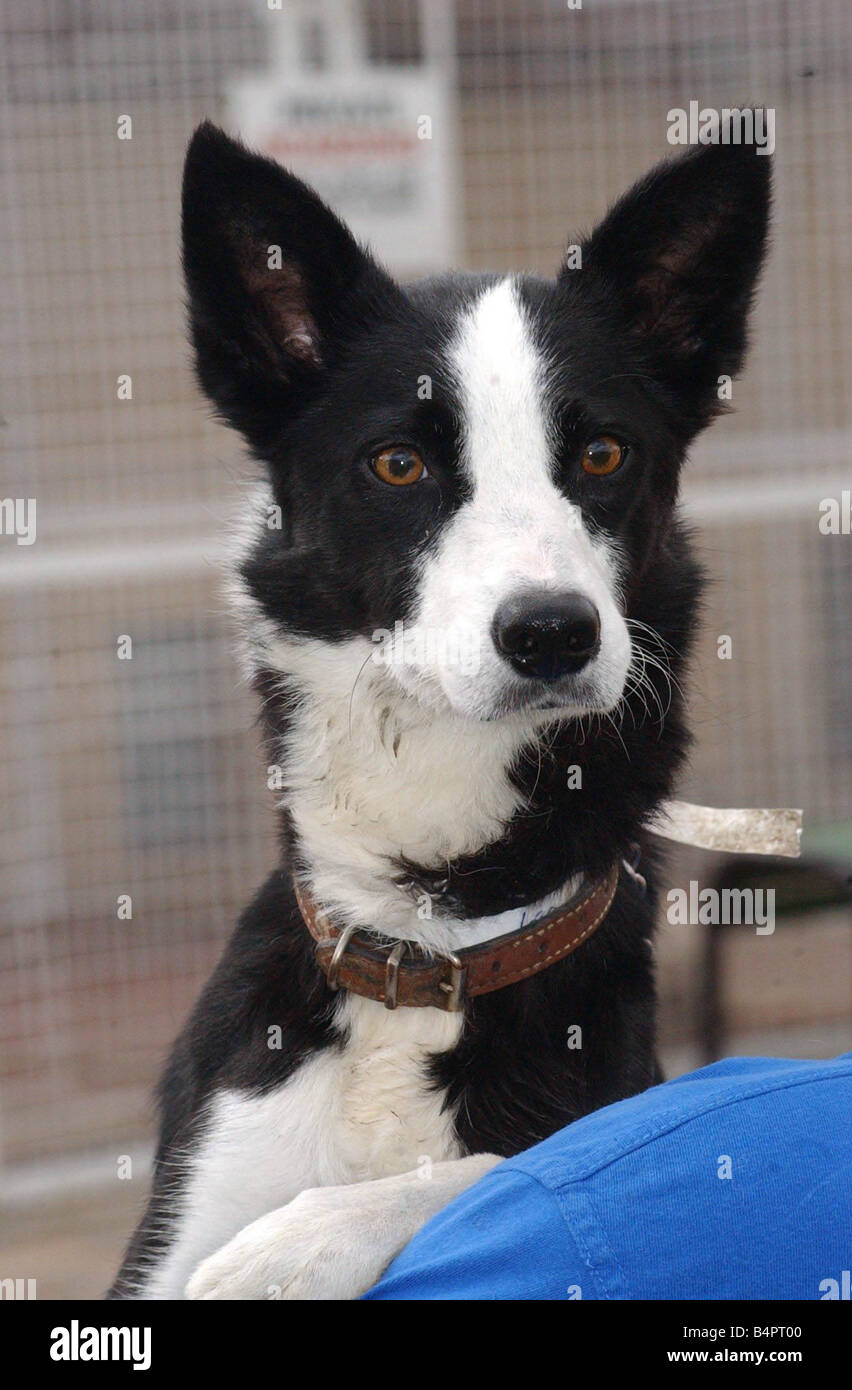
(484, 471)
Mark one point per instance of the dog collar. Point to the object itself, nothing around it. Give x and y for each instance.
(396, 975)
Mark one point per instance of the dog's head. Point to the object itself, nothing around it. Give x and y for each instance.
(476, 474)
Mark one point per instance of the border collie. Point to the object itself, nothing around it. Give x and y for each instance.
(467, 600)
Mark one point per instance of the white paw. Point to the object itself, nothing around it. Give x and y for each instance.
(317, 1247)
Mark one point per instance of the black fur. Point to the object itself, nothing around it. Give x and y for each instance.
(320, 364)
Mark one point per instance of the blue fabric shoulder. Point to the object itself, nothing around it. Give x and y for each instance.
(729, 1182)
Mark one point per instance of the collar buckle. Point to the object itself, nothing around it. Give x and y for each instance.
(454, 987)
(339, 952)
(392, 975)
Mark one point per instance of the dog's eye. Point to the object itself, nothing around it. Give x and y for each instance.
(399, 465)
(602, 456)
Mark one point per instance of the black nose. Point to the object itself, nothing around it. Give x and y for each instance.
(547, 635)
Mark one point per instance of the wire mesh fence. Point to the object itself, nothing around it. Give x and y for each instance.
(140, 777)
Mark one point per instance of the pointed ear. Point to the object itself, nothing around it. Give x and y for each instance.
(682, 251)
(276, 283)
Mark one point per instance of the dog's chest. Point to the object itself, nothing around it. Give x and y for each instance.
(364, 1109)
(389, 1116)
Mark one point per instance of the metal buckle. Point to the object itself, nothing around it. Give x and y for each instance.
(631, 868)
(392, 975)
(453, 986)
(339, 952)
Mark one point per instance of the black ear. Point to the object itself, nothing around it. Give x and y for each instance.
(682, 251)
(276, 283)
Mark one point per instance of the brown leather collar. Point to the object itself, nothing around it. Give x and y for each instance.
(397, 974)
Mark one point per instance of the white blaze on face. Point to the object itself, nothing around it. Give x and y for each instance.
(516, 532)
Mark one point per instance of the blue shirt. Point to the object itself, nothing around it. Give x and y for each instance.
(731, 1182)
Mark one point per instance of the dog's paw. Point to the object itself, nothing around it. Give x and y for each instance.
(317, 1247)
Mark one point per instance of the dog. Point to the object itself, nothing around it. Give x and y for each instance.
(467, 601)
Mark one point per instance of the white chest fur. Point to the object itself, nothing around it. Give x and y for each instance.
(368, 778)
(357, 1111)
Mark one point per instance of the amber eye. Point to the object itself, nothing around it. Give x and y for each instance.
(398, 465)
(602, 456)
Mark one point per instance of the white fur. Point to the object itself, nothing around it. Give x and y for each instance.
(369, 778)
(357, 1111)
(518, 531)
(333, 1242)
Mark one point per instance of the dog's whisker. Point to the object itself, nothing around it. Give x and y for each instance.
(361, 670)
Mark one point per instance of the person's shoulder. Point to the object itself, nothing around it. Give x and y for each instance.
(771, 1085)
(680, 1192)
